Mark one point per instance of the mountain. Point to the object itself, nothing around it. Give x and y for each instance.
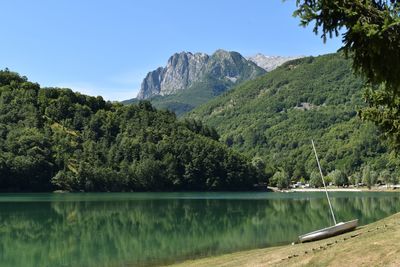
(275, 116)
(53, 138)
(184, 69)
(189, 80)
(270, 63)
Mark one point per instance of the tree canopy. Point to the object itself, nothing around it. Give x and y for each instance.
(275, 116)
(52, 138)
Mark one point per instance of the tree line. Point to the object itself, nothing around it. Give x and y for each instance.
(52, 138)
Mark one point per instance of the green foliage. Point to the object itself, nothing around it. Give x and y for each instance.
(57, 139)
(339, 178)
(384, 111)
(328, 180)
(260, 167)
(385, 176)
(394, 178)
(369, 176)
(371, 38)
(275, 117)
(315, 180)
(280, 179)
(185, 100)
(355, 178)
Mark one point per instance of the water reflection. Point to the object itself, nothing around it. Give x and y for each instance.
(148, 229)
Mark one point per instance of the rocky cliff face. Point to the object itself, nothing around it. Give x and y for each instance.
(269, 63)
(181, 71)
(184, 69)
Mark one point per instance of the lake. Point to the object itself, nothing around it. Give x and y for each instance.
(141, 229)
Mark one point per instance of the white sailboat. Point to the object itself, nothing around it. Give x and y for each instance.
(337, 228)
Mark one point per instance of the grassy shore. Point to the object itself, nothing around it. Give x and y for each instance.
(376, 244)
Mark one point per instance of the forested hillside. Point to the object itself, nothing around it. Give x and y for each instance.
(184, 101)
(189, 80)
(56, 139)
(274, 117)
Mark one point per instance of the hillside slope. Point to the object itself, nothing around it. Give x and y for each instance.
(53, 138)
(275, 117)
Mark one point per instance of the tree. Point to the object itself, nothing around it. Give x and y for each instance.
(389, 177)
(394, 179)
(328, 180)
(339, 178)
(280, 179)
(149, 173)
(259, 164)
(385, 176)
(355, 178)
(315, 180)
(368, 176)
(63, 180)
(372, 39)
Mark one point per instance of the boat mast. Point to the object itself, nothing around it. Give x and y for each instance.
(323, 181)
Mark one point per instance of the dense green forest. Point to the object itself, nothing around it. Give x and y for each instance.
(197, 94)
(185, 100)
(274, 117)
(53, 138)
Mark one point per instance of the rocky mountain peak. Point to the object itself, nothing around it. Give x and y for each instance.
(222, 53)
(185, 69)
(270, 63)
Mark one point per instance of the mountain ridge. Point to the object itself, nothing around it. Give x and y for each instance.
(186, 68)
(269, 63)
(191, 79)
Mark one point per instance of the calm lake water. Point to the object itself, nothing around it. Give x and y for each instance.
(140, 229)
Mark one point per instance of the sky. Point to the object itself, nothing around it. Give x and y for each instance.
(106, 48)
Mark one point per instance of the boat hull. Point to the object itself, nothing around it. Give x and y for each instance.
(337, 229)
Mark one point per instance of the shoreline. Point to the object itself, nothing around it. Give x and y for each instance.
(329, 190)
(374, 244)
(361, 189)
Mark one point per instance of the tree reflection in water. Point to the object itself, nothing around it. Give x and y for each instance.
(147, 229)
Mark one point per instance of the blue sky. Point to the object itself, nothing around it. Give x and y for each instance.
(106, 48)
